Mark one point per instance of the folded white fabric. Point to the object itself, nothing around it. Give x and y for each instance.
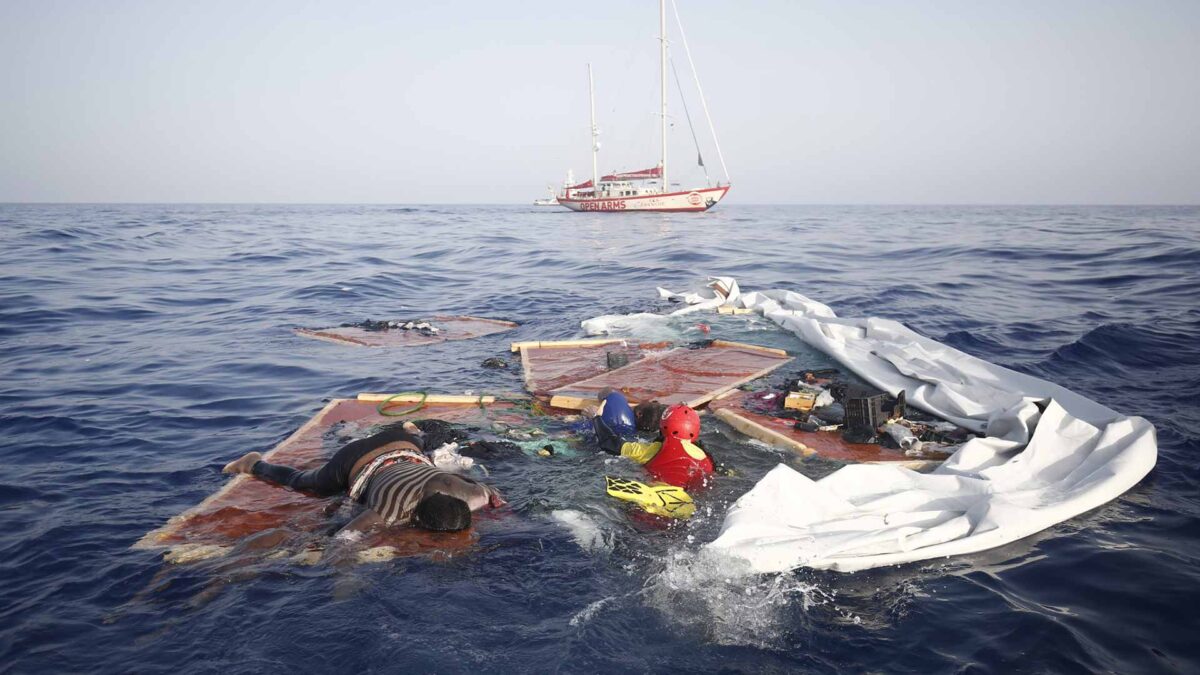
(988, 494)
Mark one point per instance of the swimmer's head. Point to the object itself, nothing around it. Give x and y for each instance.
(442, 513)
(649, 415)
(680, 421)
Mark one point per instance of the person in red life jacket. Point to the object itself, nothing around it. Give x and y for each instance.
(675, 459)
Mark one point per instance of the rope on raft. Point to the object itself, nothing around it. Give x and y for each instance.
(386, 408)
(382, 407)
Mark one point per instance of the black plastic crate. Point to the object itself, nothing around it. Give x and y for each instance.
(865, 412)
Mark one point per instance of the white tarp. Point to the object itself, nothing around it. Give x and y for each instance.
(1049, 454)
(718, 291)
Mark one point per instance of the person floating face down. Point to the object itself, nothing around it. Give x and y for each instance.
(675, 459)
(391, 474)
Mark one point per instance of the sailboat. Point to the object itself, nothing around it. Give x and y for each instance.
(550, 200)
(646, 189)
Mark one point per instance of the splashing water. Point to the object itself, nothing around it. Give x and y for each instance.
(718, 594)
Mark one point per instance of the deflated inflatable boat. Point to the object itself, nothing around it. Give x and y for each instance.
(1048, 454)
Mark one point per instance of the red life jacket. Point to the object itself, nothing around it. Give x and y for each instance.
(677, 464)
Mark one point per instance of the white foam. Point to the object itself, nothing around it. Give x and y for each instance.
(586, 532)
(584, 615)
(713, 592)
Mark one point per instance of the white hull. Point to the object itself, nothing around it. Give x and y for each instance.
(688, 200)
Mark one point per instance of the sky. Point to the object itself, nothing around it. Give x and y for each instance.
(827, 102)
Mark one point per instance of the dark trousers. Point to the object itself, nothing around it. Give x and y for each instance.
(606, 438)
(334, 477)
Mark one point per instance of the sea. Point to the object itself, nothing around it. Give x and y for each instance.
(144, 346)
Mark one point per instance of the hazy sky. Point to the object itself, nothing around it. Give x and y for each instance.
(1086, 101)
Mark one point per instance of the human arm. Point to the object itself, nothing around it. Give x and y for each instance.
(361, 523)
(476, 495)
(495, 499)
(342, 548)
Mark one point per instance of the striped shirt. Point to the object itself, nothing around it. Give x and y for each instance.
(395, 490)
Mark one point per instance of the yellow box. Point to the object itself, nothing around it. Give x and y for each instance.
(800, 400)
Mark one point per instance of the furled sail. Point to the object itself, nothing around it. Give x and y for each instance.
(643, 174)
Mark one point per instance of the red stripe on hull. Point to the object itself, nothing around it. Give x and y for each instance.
(618, 204)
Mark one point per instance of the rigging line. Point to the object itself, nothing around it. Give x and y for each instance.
(704, 103)
(688, 115)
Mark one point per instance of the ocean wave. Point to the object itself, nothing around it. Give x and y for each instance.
(146, 345)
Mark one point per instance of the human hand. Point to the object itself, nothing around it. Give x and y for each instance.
(495, 500)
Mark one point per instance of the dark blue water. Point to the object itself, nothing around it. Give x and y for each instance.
(144, 346)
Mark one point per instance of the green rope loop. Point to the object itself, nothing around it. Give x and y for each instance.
(383, 410)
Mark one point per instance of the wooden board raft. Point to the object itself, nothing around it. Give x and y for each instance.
(550, 365)
(780, 432)
(246, 507)
(449, 328)
(681, 375)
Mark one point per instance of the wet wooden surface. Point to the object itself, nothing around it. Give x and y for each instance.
(246, 507)
(780, 432)
(681, 375)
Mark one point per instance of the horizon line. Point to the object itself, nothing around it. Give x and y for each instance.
(335, 203)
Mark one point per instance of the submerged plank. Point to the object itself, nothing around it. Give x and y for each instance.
(563, 344)
(416, 397)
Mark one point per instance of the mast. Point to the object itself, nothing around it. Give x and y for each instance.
(662, 26)
(595, 134)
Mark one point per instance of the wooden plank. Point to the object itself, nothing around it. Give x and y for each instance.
(416, 397)
(578, 403)
(743, 345)
(526, 370)
(759, 432)
(547, 369)
(554, 344)
(572, 402)
(822, 444)
(330, 337)
(729, 309)
(697, 402)
(153, 538)
(645, 379)
(498, 322)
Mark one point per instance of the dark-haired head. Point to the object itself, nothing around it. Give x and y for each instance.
(648, 415)
(442, 513)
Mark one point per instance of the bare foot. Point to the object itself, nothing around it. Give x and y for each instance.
(244, 464)
(413, 429)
